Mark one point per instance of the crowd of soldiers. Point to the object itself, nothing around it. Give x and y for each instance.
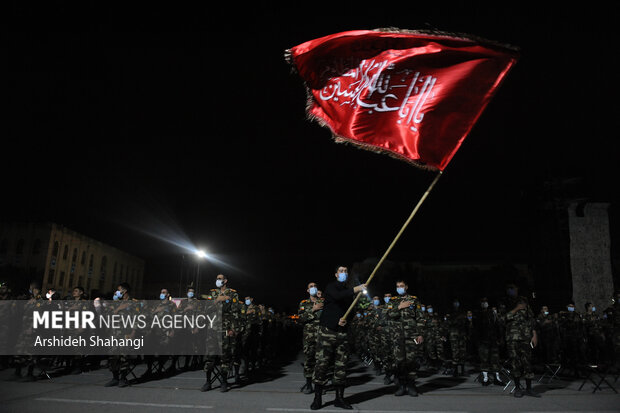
(398, 333)
(253, 335)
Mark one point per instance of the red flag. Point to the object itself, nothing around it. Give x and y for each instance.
(412, 95)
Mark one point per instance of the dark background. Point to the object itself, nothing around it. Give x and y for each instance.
(139, 123)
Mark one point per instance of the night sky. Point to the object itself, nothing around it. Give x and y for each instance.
(150, 123)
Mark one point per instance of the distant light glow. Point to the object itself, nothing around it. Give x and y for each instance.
(201, 254)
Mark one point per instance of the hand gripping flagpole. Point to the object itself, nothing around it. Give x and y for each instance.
(415, 210)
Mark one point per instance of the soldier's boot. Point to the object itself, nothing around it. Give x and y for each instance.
(411, 389)
(317, 403)
(307, 388)
(114, 381)
(339, 401)
(29, 374)
(498, 380)
(122, 382)
(528, 389)
(237, 376)
(518, 390)
(402, 388)
(387, 379)
(207, 385)
(485, 379)
(224, 386)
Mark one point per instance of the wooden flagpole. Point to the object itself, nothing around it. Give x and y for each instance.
(415, 210)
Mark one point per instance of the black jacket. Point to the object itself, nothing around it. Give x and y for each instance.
(338, 297)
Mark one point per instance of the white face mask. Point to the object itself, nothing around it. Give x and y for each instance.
(48, 296)
(219, 283)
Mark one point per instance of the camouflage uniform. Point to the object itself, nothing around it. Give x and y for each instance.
(119, 364)
(231, 320)
(385, 339)
(457, 334)
(432, 339)
(595, 336)
(249, 338)
(571, 333)
(519, 327)
(550, 347)
(406, 325)
(487, 338)
(310, 320)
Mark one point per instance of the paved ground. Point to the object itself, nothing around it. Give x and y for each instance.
(279, 392)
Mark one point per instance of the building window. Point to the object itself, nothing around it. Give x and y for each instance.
(61, 280)
(36, 247)
(75, 254)
(65, 253)
(50, 277)
(71, 282)
(83, 261)
(90, 265)
(55, 249)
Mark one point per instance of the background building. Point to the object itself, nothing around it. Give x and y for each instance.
(60, 258)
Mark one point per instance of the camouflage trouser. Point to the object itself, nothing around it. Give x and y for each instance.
(405, 351)
(309, 347)
(520, 359)
(387, 354)
(228, 357)
(431, 347)
(458, 345)
(489, 356)
(331, 355)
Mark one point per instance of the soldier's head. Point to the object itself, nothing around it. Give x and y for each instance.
(319, 293)
(512, 290)
(77, 292)
(470, 315)
(484, 303)
(4, 288)
(456, 303)
(122, 291)
(589, 307)
(387, 297)
(401, 287)
(429, 309)
(248, 300)
(376, 301)
(164, 294)
(342, 273)
(50, 293)
(34, 289)
(570, 306)
(221, 281)
(544, 310)
(312, 289)
(191, 292)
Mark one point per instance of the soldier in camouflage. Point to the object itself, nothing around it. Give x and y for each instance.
(457, 335)
(594, 334)
(228, 299)
(309, 313)
(521, 338)
(407, 331)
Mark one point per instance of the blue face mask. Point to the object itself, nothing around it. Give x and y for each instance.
(313, 290)
(423, 308)
(162, 296)
(571, 309)
(248, 302)
(400, 290)
(376, 302)
(430, 311)
(456, 304)
(358, 315)
(190, 294)
(342, 276)
(593, 309)
(546, 312)
(117, 295)
(386, 299)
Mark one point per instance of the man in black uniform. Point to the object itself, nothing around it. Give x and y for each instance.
(332, 339)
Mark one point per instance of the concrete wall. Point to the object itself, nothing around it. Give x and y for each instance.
(590, 254)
